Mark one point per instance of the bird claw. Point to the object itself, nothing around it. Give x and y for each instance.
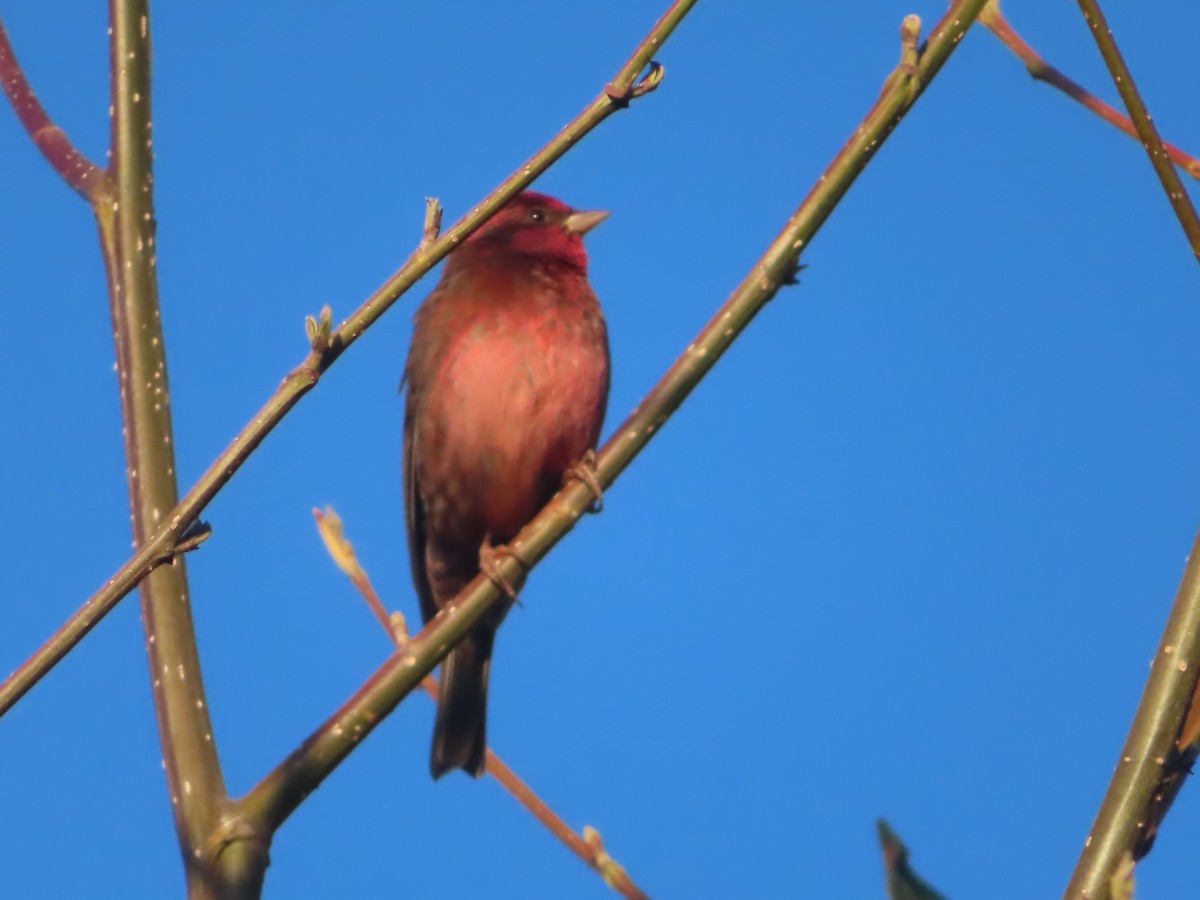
(585, 470)
(490, 556)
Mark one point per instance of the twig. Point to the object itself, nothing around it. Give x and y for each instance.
(433, 226)
(305, 376)
(1176, 194)
(1132, 806)
(589, 848)
(274, 798)
(433, 223)
(329, 525)
(79, 172)
(1043, 71)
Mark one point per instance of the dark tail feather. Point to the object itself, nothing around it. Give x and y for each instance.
(460, 732)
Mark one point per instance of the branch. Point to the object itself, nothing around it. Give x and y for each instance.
(127, 231)
(592, 852)
(1159, 750)
(279, 794)
(1043, 71)
(73, 167)
(304, 377)
(1176, 194)
(1132, 806)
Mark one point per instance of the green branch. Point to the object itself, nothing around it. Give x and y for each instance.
(127, 229)
(1131, 808)
(1159, 158)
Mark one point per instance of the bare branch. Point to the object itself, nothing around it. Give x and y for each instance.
(1176, 194)
(79, 172)
(1043, 71)
(1133, 806)
(128, 240)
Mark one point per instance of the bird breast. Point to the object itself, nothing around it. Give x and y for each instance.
(519, 396)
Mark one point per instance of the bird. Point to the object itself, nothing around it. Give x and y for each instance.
(507, 383)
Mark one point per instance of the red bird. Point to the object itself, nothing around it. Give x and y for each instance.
(507, 384)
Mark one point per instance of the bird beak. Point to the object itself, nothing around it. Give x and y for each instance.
(583, 222)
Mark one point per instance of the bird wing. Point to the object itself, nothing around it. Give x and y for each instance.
(414, 512)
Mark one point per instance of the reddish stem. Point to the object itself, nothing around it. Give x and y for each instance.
(1043, 71)
(72, 166)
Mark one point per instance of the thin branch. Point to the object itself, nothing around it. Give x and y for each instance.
(1176, 193)
(333, 535)
(591, 851)
(1132, 806)
(1043, 71)
(79, 172)
(278, 795)
(53, 651)
(329, 525)
(194, 780)
(305, 376)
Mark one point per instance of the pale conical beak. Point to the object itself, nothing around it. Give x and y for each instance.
(583, 222)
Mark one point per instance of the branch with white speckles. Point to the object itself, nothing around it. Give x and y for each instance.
(128, 240)
(1162, 744)
(1177, 195)
(1159, 752)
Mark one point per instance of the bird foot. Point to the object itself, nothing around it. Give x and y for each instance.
(585, 470)
(490, 557)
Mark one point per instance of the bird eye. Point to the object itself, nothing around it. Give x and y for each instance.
(537, 215)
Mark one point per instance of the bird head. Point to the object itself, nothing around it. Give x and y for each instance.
(536, 225)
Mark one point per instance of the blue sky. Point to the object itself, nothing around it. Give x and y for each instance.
(906, 553)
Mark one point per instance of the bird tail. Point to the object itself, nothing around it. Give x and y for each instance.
(460, 731)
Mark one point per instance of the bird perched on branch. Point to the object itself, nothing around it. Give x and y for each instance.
(507, 382)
